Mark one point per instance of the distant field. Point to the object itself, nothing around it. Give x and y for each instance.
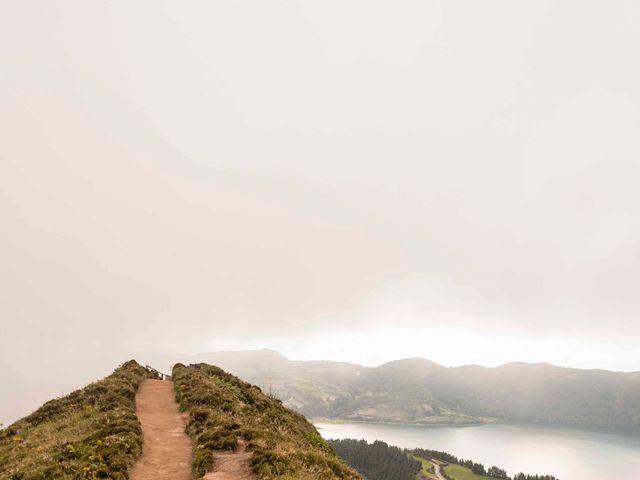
(458, 472)
(426, 466)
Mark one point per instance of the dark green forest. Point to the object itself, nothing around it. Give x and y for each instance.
(377, 460)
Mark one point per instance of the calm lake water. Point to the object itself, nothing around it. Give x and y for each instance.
(568, 454)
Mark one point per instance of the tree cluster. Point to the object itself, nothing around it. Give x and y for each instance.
(377, 460)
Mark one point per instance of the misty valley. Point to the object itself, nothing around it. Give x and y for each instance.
(420, 392)
(532, 418)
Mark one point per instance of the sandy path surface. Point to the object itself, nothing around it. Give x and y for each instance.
(166, 453)
(231, 465)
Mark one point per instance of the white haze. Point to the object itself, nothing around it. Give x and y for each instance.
(353, 180)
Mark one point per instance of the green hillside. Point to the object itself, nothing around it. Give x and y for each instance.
(417, 391)
(223, 410)
(91, 433)
(94, 433)
(338, 390)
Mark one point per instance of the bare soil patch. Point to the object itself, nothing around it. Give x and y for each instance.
(231, 465)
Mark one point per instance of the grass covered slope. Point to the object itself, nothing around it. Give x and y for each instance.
(223, 409)
(460, 472)
(91, 433)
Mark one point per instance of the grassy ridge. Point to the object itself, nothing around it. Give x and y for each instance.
(91, 433)
(223, 409)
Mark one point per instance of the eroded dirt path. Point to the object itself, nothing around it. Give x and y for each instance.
(231, 465)
(166, 452)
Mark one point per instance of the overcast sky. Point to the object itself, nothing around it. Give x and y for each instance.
(349, 180)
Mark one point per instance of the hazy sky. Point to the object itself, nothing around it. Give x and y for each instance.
(352, 180)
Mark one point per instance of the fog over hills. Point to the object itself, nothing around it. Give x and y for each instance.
(356, 181)
(419, 391)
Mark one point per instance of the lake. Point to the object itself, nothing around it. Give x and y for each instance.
(569, 454)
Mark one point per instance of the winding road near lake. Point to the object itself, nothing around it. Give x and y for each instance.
(437, 470)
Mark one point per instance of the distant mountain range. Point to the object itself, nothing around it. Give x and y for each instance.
(418, 391)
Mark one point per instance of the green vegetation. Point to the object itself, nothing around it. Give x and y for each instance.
(458, 472)
(454, 468)
(428, 469)
(93, 433)
(416, 391)
(223, 410)
(90, 434)
(377, 460)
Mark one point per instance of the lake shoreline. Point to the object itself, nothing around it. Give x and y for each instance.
(565, 452)
(578, 428)
(402, 424)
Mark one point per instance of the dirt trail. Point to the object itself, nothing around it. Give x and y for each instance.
(438, 470)
(231, 465)
(166, 453)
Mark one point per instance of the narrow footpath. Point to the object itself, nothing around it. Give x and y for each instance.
(166, 453)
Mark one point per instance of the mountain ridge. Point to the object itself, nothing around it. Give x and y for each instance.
(275, 353)
(419, 391)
